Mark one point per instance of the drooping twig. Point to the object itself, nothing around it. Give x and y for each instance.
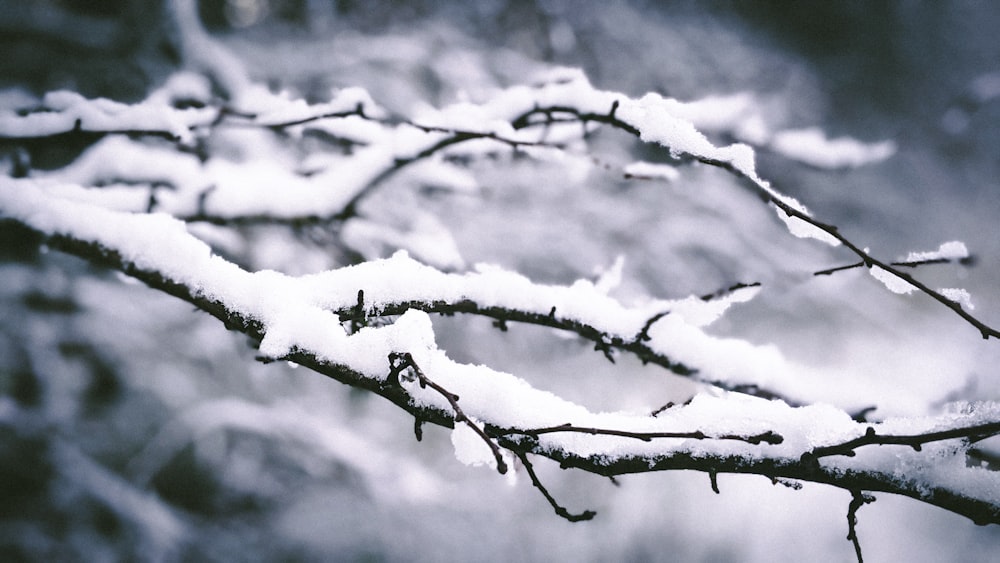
(713, 479)
(560, 510)
(402, 361)
(358, 319)
(418, 428)
(858, 499)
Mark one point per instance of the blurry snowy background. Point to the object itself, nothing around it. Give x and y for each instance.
(134, 428)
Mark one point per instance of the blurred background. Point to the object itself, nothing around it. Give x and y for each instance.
(133, 428)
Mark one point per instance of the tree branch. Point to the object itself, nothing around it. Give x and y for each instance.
(970, 433)
(398, 362)
(560, 510)
(858, 499)
(753, 461)
(549, 113)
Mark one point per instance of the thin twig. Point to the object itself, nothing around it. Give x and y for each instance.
(967, 261)
(769, 437)
(915, 441)
(560, 510)
(858, 499)
(401, 361)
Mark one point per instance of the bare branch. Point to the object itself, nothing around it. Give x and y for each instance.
(560, 510)
(858, 499)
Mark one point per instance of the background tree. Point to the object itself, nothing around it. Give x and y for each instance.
(135, 426)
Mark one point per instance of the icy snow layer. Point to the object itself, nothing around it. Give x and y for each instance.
(295, 315)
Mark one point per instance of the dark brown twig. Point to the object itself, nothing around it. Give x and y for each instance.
(858, 499)
(398, 362)
(915, 441)
(560, 510)
(769, 437)
(967, 261)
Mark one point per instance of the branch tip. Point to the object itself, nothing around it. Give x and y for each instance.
(560, 510)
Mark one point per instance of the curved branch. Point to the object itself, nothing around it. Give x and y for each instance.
(549, 113)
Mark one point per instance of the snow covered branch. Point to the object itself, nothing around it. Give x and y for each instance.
(156, 171)
(299, 319)
(552, 116)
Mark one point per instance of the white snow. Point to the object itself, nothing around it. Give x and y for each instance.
(610, 278)
(64, 109)
(812, 147)
(246, 186)
(958, 295)
(299, 313)
(954, 250)
(891, 281)
(470, 449)
(652, 171)
(799, 227)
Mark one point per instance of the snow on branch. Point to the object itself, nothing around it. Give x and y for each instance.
(522, 117)
(299, 319)
(66, 112)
